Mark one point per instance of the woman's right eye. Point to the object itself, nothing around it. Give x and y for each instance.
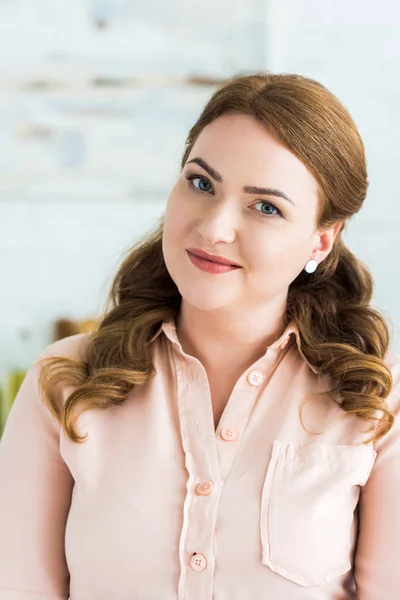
(192, 178)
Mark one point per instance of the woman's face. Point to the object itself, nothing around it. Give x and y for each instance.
(270, 237)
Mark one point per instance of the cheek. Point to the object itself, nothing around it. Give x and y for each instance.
(280, 252)
(175, 234)
(265, 248)
(177, 218)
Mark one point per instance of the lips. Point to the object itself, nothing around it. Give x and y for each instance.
(220, 260)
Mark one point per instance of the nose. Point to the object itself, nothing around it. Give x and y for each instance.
(219, 225)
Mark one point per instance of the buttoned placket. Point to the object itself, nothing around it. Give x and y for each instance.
(209, 456)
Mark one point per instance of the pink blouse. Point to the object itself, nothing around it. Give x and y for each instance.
(158, 505)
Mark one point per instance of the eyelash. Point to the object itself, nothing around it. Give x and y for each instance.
(191, 184)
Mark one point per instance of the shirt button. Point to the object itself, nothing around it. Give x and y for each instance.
(205, 488)
(228, 434)
(198, 562)
(255, 378)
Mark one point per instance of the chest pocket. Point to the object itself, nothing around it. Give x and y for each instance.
(308, 500)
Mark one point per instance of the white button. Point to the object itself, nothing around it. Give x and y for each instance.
(228, 434)
(255, 378)
(198, 562)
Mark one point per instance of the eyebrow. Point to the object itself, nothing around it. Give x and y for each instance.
(249, 189)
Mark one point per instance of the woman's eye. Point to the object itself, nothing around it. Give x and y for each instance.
(269, 205)
(192, 178)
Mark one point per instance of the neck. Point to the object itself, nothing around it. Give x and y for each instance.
(221, 339)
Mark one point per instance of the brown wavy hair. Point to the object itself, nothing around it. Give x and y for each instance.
(340, 333)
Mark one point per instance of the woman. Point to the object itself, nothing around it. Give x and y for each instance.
(231, 430)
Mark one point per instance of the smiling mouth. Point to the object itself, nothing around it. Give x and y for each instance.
(210, 266)
(214, 262)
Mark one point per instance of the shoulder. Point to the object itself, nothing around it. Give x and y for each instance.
(73, 347)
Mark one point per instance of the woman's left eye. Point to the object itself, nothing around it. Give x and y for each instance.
(271, 206)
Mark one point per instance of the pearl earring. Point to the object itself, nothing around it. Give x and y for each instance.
(311, 266)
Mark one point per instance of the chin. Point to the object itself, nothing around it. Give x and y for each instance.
(203, 299)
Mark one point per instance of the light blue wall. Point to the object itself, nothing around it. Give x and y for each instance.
(84, 170)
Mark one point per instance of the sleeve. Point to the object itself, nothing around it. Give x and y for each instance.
(377, 559)
(35, 496)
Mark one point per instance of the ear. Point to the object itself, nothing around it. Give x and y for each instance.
(324, 241)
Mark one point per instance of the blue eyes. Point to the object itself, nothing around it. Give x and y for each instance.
(191, 178)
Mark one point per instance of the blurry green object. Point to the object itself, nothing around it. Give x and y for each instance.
(8, 394)
(19, 361)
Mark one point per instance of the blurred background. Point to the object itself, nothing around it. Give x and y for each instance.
(96, 99)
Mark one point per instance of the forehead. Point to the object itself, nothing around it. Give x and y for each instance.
(245, 153)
